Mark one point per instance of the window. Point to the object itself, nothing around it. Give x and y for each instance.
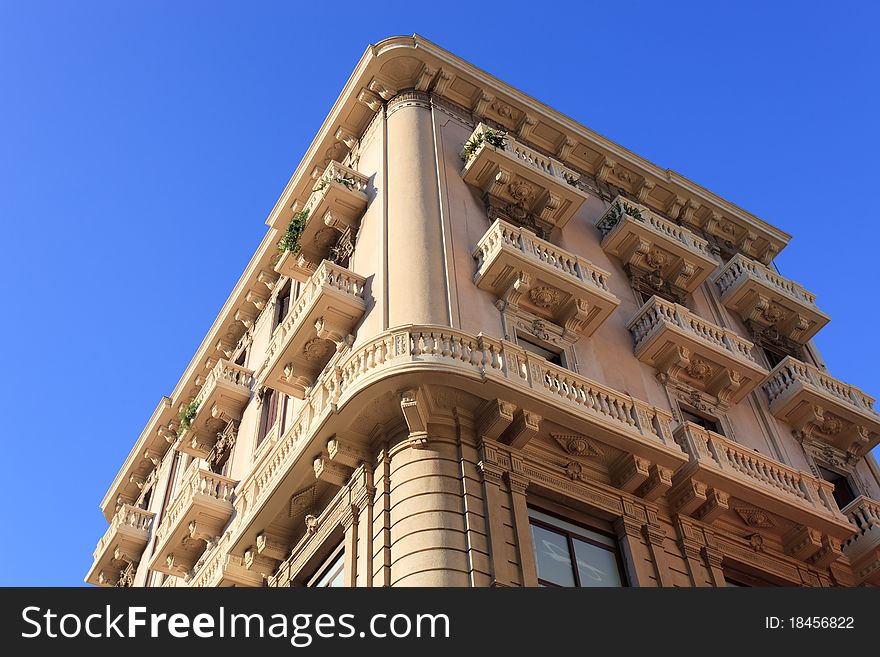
(570, 555)
(843, 491)
(705, 421)
(282, 304)
(773, 357)
(550, 354)
(331, 573)
(242, 358)
(268, 414)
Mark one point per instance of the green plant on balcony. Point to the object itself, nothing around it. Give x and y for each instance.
(494, 138)
(186, 417)
(348, 182)
(290, 240)
(616, 213)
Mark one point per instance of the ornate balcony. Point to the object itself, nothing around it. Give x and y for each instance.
(333, 210)
(194, 519)
(863, 549)
(500, 368)
(223, 569)
(121, 547)
(523, 270)
(323, 316)
(222, 399)
(658, 251)
(530, 184)
(766, 300)
(692, 350)
(725, 477)
(822, 407)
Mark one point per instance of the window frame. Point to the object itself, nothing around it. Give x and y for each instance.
(521, 337)
(337, 554)
(569, 535)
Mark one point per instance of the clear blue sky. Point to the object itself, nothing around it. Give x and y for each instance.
(142, 145)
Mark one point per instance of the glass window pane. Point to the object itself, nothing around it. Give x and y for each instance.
(334, 574)
(577, 530)
(596, 566)
(552, 557)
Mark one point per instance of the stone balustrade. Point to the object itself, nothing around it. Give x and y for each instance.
(517, 174)
(653, 245)
(764, 298)
(195, 518)
(629, 423)
(223, 396)
(121, 545)
(683, 345)
(863, 548)
(525, 270)
(327, 309)
(814, 402)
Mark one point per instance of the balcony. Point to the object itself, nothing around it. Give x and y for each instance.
(222, 569)
(726, 477)
(194, 519)
(530, 183)
(121, 546)
(766, 300)
(655, 248)
(863, 549)
(694, 351)
(523, 270)
(326, 311)
(823, 407)
(335, 206)
(222, 399)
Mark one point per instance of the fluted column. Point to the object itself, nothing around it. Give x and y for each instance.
(417, 286)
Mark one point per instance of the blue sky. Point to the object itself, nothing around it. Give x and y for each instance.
(142, 145)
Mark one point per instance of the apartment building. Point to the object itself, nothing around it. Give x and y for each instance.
(482, 345)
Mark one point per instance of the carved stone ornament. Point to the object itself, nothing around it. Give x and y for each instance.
(574, 470)
(772, 313)
(316, 349)
(539, 329)
(521, 191)
(757, 542)
(576, 444)
(755, 517)
(699, 369)
(311, 524)
(301, 502)
(544, 297)
(656, 259)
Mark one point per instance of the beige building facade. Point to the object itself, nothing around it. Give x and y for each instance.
(497, 349)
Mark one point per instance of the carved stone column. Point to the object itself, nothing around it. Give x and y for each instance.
(518, 483)
(495, 496)
(417, 291)
(381, 531)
